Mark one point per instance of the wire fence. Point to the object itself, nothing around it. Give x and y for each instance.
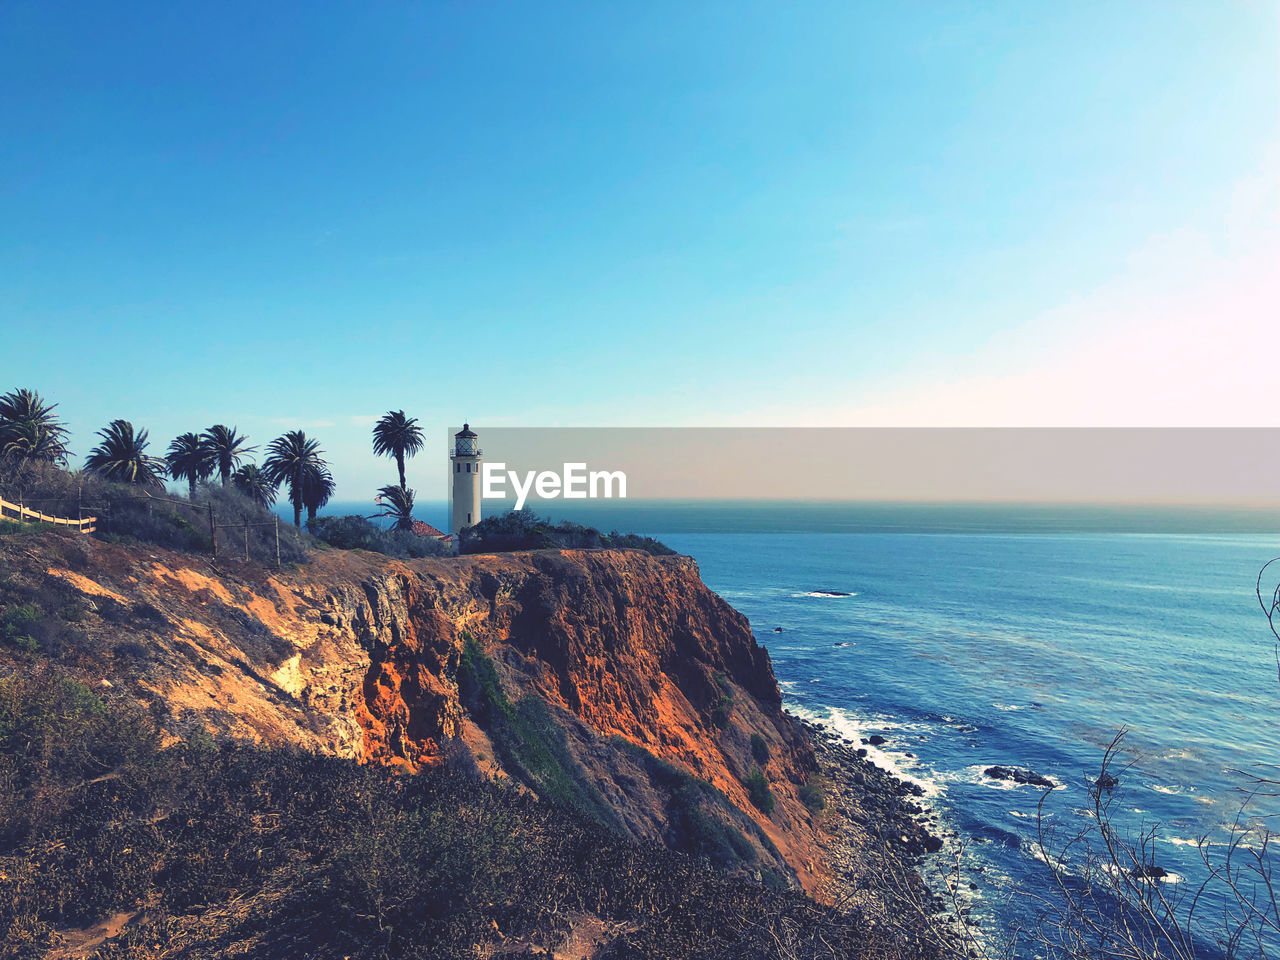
(135, 515)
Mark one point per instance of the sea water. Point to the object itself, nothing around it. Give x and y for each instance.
(966, 651)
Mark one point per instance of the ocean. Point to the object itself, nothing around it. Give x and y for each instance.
(964, 651)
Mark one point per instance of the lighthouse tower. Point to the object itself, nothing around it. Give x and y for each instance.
(464, 505)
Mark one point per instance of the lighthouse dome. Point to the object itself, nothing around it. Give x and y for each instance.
(464, 442)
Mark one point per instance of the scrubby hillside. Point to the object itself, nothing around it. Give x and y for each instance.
(114, 847)
(611, 682)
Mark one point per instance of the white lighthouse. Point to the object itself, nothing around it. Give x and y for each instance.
(464, 506)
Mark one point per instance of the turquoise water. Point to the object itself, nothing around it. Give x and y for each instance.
(969, 650)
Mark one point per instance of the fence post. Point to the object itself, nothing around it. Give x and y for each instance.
(277, 543)
(246, 541)
(213, 532)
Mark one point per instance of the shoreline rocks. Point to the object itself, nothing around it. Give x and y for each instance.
(879, 840)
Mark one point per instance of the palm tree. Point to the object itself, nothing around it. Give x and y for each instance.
(190, 459)
(317, 490)
(295, 461)
(396, 435)
(397, 505)
(122, 456)
(255, 485)
(30, 430)
(227, 448)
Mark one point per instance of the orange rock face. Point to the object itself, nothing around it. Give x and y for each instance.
(358, 655)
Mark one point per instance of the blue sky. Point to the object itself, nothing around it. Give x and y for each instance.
(280, 215)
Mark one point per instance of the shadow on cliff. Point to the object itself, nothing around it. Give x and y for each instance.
(206, 851)
(611, 683)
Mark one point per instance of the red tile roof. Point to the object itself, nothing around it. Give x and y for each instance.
(427, 530)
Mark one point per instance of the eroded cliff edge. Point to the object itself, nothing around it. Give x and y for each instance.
(632, 675)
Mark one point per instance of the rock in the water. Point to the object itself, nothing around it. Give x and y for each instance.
(1019, 775)
(876, 740)
(777, 629)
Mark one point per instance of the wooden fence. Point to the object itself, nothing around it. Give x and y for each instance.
(17, 511)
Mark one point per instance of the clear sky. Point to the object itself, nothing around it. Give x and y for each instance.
(277, 215)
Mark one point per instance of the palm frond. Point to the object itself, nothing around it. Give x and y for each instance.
(397, 505)
(122, 456)
(29, 428)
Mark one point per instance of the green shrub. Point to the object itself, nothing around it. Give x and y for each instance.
(693, 829)
(12, 527)
(525, 530)
(700, 818)
(479, 685)
(530, 744)
(759, 749)
(759, 792)
(722, 706)
(17, 623)
(44, 616)
(633, 541)
(358, 533)
(814, 794)
(231, 508)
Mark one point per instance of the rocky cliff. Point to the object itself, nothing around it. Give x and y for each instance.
(612, 680)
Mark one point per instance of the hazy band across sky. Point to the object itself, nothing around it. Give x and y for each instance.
(1187, 465)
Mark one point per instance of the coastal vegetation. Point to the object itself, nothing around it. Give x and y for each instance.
(226, 448)
(124, 481)
(30, 431)
(358, 533)
(399, 437)
(525, 530)
(122, 457)
(251, 481)
(190, 459)
(813, 794)
(34, 453)
(396, 504)
(759, 749)
(759, 792)
(528, 742)
(201, 851)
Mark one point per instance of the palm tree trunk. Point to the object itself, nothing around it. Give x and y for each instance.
(225, 469)
(400, 464)
(192, 482)
(297, 513)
